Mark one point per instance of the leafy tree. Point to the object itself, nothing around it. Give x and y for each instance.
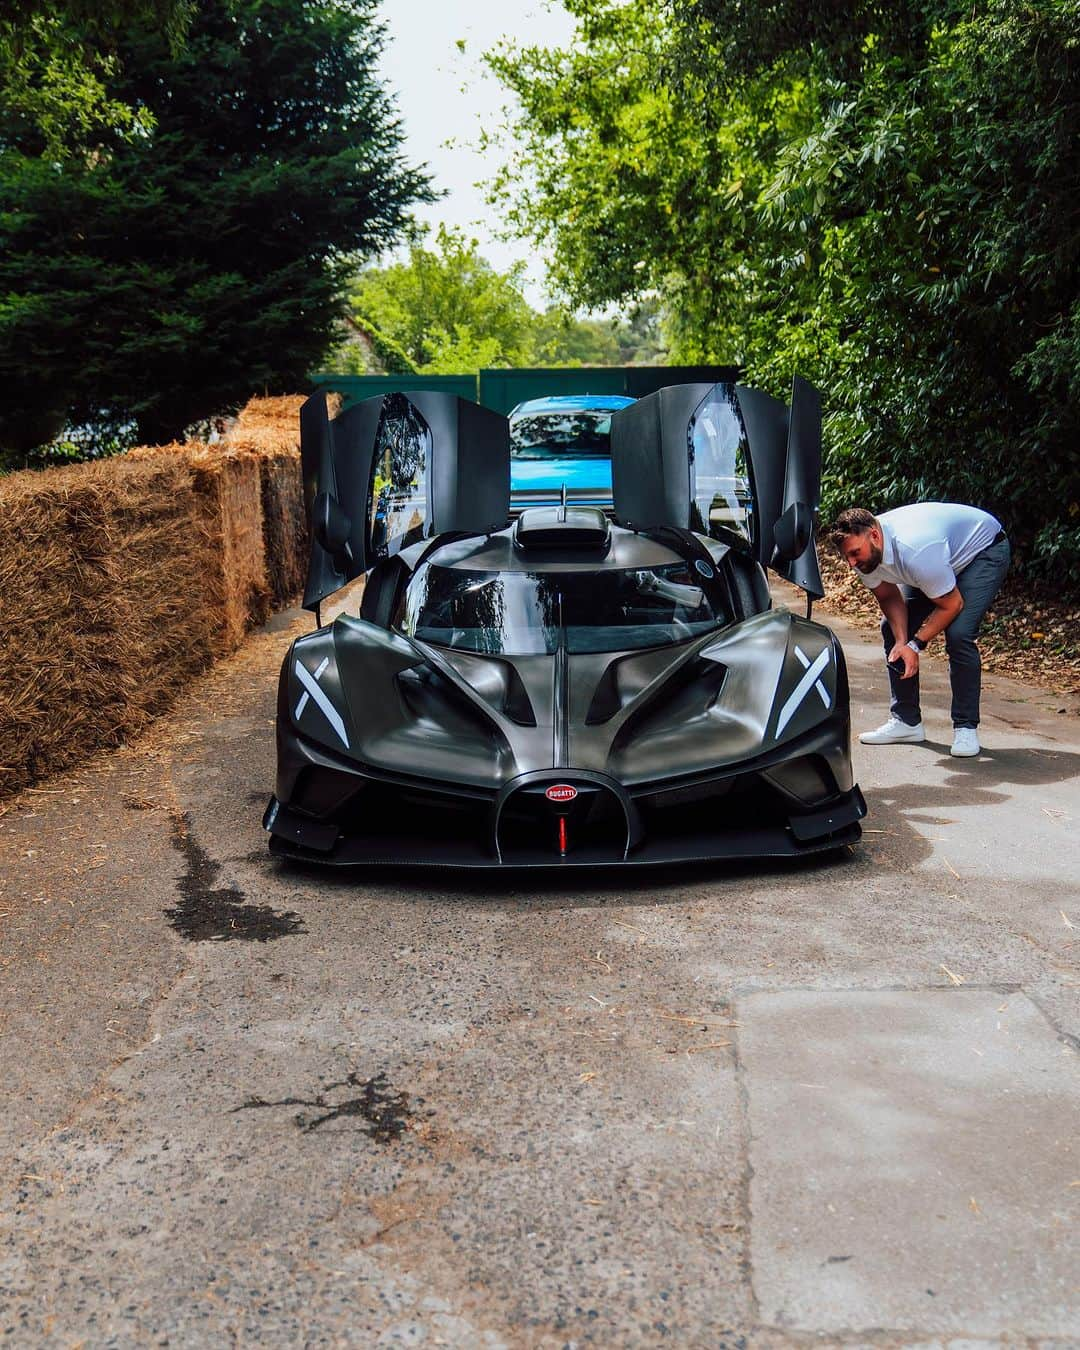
(447, 307)
(639, 334)
(56, 61)
(368, 351)
(448, 311)
(562, 339)
(565, 339)
(607, 149)
(881, 196)
(168, 275)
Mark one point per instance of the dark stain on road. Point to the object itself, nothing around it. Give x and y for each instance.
(385, 1113)
(209, 914)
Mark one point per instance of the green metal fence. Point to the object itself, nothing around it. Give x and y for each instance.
(503, 389)
(354, 388)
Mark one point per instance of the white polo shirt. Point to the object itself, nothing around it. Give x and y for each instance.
(927, 544)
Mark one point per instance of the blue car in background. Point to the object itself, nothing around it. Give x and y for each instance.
(564, 440)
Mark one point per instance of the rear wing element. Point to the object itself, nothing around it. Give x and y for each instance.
(723, 458)
(393, 470)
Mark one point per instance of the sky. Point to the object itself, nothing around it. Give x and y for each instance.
(445, 97)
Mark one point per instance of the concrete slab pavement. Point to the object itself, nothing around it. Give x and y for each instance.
(913, 1155)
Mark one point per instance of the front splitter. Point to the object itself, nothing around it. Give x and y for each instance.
(775, 843)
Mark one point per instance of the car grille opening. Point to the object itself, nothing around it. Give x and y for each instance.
(740, 804)
(593, 824)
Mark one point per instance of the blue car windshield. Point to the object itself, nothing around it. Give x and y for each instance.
(521, 613)
(561, 435)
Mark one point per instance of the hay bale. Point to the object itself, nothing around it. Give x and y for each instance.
(270, 429)
(102, 606)
(227, 485)
(286, 539)
(122, 579)
(275, 417)
(225, 480)
(276, 420)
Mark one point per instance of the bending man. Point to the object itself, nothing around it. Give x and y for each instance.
(933, 568)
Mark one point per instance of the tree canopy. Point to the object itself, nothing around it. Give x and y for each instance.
(446, 310)
(447, 307)
(169, 274)
(881, 196)
(56, 61)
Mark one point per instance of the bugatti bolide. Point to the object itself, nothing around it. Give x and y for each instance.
(574, 687)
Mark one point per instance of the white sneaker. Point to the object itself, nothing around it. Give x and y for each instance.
(895, 732)
(965, 743)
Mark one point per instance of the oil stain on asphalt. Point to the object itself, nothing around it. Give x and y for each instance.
(206, 914)
(384, 1112)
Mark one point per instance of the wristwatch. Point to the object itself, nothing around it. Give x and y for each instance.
(916, 644)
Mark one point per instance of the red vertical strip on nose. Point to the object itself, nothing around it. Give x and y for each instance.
(562, 834)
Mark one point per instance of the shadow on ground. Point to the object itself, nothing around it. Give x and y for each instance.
(894, 811)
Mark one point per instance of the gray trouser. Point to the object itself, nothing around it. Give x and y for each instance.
(978, 583)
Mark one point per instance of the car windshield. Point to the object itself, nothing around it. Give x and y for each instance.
(521, 613)
(560, 435)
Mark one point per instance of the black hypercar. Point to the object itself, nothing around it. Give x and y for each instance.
(571, 688)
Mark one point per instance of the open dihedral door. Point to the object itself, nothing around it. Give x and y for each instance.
(785, 466)
(334, 460)
(400, 469)
(721, 459)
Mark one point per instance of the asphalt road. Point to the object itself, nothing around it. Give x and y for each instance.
(831, 1103)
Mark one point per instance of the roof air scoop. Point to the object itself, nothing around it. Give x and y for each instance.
(562, 527)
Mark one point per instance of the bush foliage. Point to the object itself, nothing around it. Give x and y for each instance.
(881, 197)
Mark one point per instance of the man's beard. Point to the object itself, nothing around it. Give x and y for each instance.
(873, 562)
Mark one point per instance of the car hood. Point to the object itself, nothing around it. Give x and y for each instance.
(399, 706)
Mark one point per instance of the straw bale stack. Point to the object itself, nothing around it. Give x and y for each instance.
(226, 489)
(271, 423)
(122, 579)
(229, 488)
(285, 528)
(103, 609)
(270, 429)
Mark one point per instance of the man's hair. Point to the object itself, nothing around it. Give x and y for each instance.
(855, 520)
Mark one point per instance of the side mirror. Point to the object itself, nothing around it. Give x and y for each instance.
(331, 526)
(792, 532)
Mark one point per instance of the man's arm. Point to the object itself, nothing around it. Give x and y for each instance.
(894, 607)
(946, 608)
